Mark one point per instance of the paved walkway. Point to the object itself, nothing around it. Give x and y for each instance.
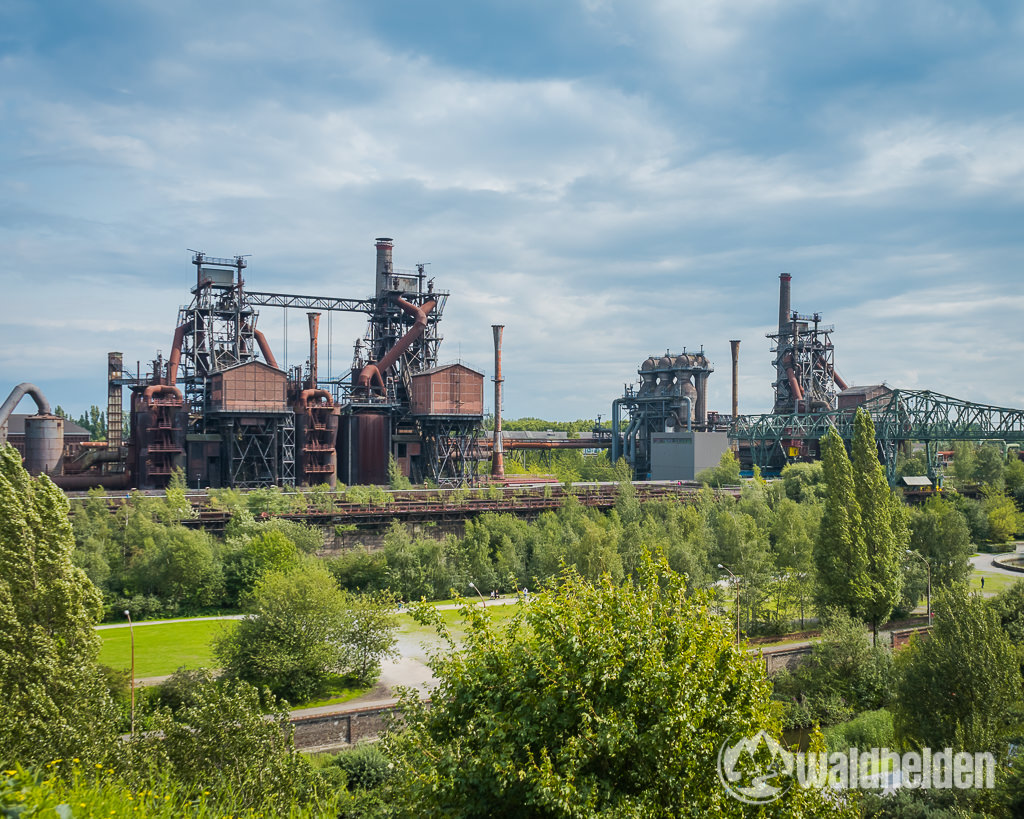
(983, 563)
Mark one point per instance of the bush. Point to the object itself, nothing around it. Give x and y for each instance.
(365, 766)
(872, 729)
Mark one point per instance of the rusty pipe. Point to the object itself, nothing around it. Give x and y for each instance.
(306, 397)
(314, 335)
(268, 356)
(794, 385)
(375, 372)
(175, 357)
(497, 454)
(735, 344)
(19, 392)
(154, 390)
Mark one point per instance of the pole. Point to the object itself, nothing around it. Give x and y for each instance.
(131, 630)
(736, 590)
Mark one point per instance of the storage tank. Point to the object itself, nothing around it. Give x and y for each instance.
(44, 444)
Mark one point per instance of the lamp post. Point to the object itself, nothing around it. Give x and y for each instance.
(928, 566)
(736, 587)
(131, 630)
(482, 601)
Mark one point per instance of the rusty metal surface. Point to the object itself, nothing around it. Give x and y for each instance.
(450, 390)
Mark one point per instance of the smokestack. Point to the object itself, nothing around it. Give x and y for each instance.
(314, 333)
(784, 304)
(735, 344)
(497, 455)
(385, 270)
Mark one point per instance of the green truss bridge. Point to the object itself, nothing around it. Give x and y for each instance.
(900, 416)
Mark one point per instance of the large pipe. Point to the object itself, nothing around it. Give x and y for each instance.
(120, 480)
(306, 397)
(175, 357)
(19, 392)
(735, 344)
(497, 455)
(154, 390)
(794, 385)
(384, 266)
(784, 302)
(375, 372)
(265, 348)
(314, 332)
(689, 413)
(616, 415)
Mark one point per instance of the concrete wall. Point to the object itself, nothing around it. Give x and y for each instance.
(342, 728)
(679, 456)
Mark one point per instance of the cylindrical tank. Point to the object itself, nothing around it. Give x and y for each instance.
(44, 443)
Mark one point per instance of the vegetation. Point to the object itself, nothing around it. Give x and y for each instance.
(302, 630)
(555, 714)
(55, 702)
(959, 687)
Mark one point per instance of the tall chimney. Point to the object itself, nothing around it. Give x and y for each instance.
(784, 305)
(497, 454)
(314, 333)
(385, 270)
(735, 344)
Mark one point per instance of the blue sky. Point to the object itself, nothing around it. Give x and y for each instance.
(608, 179)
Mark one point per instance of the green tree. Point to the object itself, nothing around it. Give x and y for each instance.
(959, 687)
(990, 465)
(554, 714)
(882, 519)
(298, 634)
(54, 701)
(840, 553)
(368, 632)
(965, 461)
(396, 480)
(221, 742)
(939, 533)
(727, 473)
(1004, 521)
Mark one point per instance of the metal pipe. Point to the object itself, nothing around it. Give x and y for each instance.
(384, 266)
(832, 372)
(375, 372)
(19, 392)
(175, 357)
(154, 390)
(306, 396)
(630, 442)
(314, 333)
(735, 344)
(798, 393)
(497, 455)
(265, 348)
(616, 414)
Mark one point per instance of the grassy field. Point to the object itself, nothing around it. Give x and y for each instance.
(162, 649)
(994, 583)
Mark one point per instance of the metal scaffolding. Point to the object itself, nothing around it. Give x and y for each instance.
(902, 415)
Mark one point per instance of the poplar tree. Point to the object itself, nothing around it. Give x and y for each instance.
(54, 702)
(883, 523)
(840, 552)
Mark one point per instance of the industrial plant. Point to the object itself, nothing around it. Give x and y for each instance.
(222, 410)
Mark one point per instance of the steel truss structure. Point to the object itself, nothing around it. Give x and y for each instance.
(451, 449)
(261, 449)
(900, 416)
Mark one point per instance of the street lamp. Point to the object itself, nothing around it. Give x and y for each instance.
(928, 566)
(736, 585)
(131, 630)
(471, 583)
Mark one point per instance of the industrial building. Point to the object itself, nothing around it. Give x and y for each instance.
(221, 409)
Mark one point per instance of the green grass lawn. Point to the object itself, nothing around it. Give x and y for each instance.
(994, 583)
(162, 649)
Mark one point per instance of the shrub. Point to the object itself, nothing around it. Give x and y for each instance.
(872, 729)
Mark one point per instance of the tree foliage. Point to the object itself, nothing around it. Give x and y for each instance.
(54, 702)
(303, 629)
(959, 687)
(599, 699)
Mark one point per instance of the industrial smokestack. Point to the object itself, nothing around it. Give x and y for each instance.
(497, 455)
(735, 344)
(314, 333)
(385, 270)
(784, 304)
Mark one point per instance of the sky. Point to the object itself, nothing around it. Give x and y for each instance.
(608, 179)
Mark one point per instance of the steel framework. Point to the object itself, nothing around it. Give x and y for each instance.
(902, 415)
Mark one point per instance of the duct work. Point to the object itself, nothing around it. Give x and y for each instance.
(44, 432)
(805, 374)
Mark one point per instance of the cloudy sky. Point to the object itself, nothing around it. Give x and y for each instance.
(608, 179)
